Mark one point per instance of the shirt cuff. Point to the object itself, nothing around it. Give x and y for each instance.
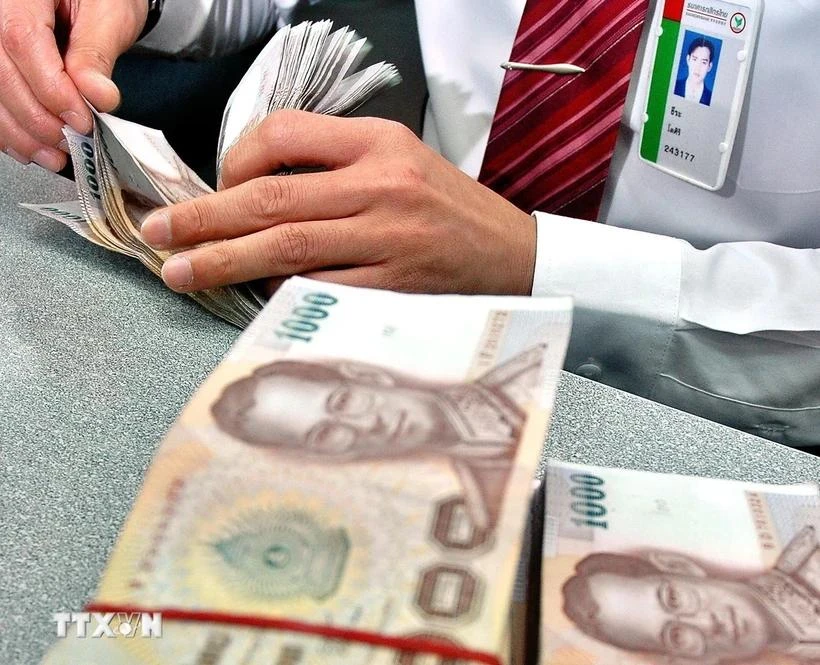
(608, 269)
(626, 289)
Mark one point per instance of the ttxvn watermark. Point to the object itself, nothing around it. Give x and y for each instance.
(109, 624)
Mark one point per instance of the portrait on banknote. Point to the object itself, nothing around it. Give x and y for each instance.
(655, 603)
(351, 411)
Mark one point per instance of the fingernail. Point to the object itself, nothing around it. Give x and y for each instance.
(177, 272)
(49, 159)
(17, 156)
(102, 81)
(63, 145)
(156, 229)
(77, 122)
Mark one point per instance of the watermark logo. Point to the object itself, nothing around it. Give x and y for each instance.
(109, 624)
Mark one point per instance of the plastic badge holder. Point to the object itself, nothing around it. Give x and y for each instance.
(699, 54)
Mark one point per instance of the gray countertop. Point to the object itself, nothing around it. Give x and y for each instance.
(97, 359)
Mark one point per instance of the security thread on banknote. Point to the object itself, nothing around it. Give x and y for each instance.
(645, 568)
(362, 461)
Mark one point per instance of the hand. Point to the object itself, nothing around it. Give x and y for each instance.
(40, 90)
(388, 213)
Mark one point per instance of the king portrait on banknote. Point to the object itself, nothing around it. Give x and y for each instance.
(663, 604)
(349, 411)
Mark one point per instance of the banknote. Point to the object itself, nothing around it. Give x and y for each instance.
(124, 171)
(70, 213)
(305, 67)
(643, 568)
(359, 468)
(221, 644)
(139, 178)
(148, 165)
(90, 187)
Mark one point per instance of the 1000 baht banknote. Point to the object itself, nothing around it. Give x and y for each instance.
(644, 567)
(359, 466)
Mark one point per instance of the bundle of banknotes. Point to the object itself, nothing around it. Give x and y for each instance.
(353, 484)
(124, 170)
(642, 567)
(349, 486)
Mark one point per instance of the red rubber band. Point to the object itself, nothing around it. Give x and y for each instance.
(417, 644)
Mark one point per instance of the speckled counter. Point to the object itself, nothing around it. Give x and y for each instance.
(96, 360)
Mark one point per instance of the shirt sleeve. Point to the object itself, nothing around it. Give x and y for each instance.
(207, 28)
(731, 332)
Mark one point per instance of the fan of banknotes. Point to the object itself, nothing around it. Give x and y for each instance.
(351, 487)
(125, 170)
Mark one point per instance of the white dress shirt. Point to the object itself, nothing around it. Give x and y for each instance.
(707, 301)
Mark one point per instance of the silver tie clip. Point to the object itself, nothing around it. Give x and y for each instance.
(557, 68)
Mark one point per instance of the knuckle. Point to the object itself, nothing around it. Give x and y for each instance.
(292, 247)
(376, 127)
(16, 35)
(268, 195)
(412, 174)
(400, 135)
(280, 127)
(219, 267)
(404, 181)
(88, 56)
(385, 135)
(42, 125)
(196, 224)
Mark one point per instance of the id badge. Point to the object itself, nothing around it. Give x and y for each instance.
(701, 54)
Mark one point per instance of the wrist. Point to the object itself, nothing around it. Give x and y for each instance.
(520, 254)
(528, 255)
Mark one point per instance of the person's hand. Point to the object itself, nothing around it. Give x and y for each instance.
(53, 52)
(388, 213)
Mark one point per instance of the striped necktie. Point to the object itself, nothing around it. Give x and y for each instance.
(553, 135)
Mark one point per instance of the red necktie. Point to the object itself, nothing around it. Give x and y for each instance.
(553, 135)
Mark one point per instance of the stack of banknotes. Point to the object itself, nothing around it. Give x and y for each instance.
(354, 484)
(641, 568)
(124, 170)
(349, 486)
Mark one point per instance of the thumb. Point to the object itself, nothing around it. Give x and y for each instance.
(100, 33)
